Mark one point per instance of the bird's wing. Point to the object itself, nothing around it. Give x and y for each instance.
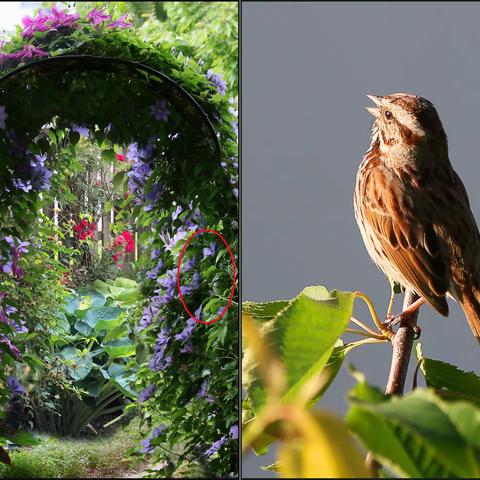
(409, 240)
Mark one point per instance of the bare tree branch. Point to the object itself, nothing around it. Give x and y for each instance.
(402, 344)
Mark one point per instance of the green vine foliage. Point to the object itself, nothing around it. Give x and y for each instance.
(85, 79)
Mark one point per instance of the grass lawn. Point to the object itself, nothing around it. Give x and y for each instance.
(102, 456)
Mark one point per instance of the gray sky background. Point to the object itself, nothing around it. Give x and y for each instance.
(306, 68)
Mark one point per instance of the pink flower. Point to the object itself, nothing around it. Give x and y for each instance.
(29, 51)
(120, 158)
(98, 16)
(35, 24)
(120, 23)
(61, 18)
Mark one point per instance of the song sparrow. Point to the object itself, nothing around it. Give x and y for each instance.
(413, 210)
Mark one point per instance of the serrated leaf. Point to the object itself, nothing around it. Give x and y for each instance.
(449, 379)
(417, 435)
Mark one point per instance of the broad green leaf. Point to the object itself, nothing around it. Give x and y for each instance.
(83, 328)
(79, 366)
(117, 332)
(109, 324)
(125, 283)
(101, 287)
(129, 297)
(418, 435)
(448, 379)
(120, 348)
(122, 378)
(72, 304)
(96, 299)
(94, 315)
(303, 331)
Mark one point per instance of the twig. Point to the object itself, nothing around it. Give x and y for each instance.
(402, 344)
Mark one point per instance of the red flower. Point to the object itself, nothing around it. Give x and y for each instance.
(84, 229)
(120, 158)
(122, 244)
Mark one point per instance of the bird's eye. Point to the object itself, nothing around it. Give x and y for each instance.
(388, 115)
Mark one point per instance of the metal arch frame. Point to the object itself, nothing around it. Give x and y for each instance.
(133, 65)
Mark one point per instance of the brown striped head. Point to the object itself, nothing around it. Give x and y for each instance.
(404, 122)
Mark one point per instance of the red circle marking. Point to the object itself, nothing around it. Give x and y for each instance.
(182, 253)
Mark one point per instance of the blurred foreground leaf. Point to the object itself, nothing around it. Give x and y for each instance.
(324, 449)
(418, 435)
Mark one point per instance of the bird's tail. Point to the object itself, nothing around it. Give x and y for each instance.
(470, 302)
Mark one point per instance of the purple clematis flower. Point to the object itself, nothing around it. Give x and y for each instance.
(217, 80)
(147, 447)
(24, 185)
(215, 446)
(11, 347)
(202, 393)
(96, 17)
(187, 332)
(192, 286)
(15, 386)
(189, 264)
(146, 393)
(234, 432)
(210, 250)
(82, 130)
(187, 347)
(3, 117)
(153, 274)
(177, 212)
(160, 111)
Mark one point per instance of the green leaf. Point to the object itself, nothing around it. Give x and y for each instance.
(108, 156)
(418, 435)
(83, 328)
(120, 348)
(95, 315)
(125, 283)
(117, 332)
(79, 366)
(74, 137)
(110, 324)
(24, 439)
(96, 299)
(450, 380)
(304, 331)
(72, 304)
(118, 180)
(141, 351)
(101, 287)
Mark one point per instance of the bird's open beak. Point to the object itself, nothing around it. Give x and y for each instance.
(375, 111)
